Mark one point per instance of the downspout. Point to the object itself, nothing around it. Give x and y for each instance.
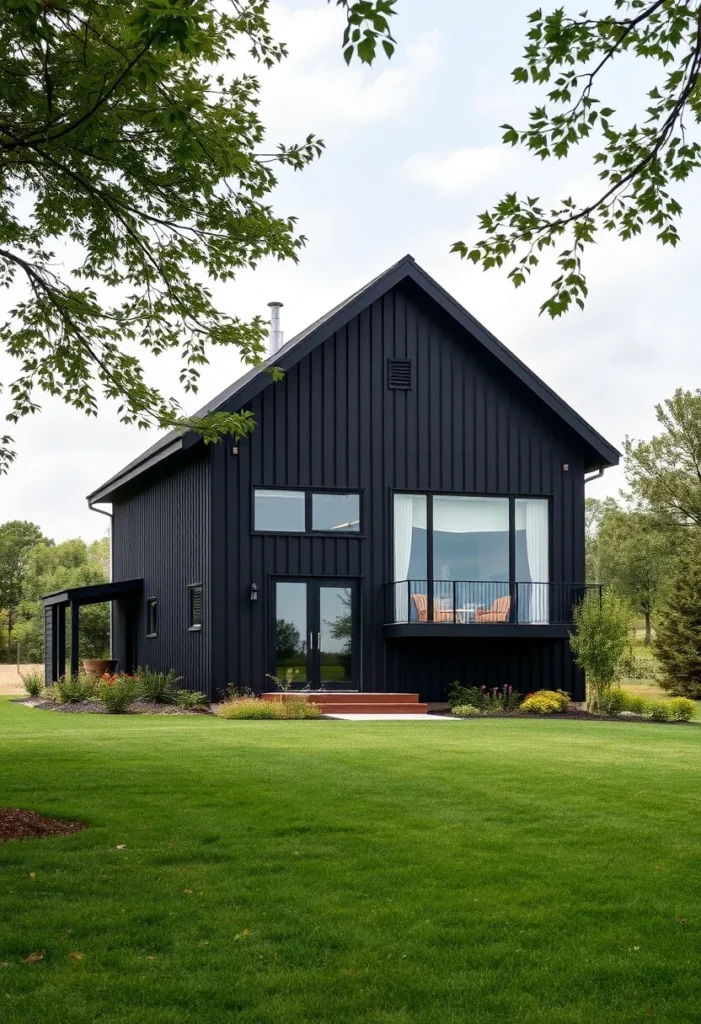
(102, 512)
(595, 476)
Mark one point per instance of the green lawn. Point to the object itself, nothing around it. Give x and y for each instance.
(291, 872)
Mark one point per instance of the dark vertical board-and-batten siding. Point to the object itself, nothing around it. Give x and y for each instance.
(465, 426)
(163, 534)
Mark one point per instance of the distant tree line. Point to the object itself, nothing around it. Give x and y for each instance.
(646, 546)
(32, 565)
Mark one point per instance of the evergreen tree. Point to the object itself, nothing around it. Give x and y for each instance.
(677, 641)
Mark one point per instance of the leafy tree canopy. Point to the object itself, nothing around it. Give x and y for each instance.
(664, 473)
(56, 567)
(633, 556)
(17, 540)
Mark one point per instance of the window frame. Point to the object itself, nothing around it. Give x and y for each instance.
(191, 626)
(151, 602)
(511, 497)
(308, 493)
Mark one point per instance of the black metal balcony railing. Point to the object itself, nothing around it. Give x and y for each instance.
(468, 602)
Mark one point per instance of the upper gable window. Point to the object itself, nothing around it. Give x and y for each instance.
(279, 511)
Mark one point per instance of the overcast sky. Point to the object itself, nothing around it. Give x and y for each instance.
(413, 156)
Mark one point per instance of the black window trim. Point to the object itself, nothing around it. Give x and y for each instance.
(308, 493)
(194, 627)
(151, 602)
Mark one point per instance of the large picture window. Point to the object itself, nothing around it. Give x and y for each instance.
(464, 558)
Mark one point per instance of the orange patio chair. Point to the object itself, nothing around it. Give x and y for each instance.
(421, 605)
(499, 612)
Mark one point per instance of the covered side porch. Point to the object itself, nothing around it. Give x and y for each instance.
(55, 607)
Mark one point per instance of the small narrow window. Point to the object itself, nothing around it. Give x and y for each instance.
(195, 606)
(152, 617)
(399, 374)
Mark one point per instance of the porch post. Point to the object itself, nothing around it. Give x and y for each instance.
(61, 641)
(50, 640)
(75, 627)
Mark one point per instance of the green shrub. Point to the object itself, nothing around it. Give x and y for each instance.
(158, 687)
(33, 683)
(459, 694)
(466, 711)
(681, 709)
(117, 693)
(75, 689)
(600, 638)
(659, 710)
(614, 701)
(638, 704)
(191, 700)
(249, 707)
(546, 702)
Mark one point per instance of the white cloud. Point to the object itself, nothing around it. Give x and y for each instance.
(461, 170)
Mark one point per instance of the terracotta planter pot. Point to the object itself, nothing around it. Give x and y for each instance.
(98, 666)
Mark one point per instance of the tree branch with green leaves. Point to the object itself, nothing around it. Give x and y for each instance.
(126, 132)
(639, 164)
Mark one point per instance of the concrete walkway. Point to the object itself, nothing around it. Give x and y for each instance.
(392, 718)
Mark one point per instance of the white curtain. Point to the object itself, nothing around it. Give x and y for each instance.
(409, 512)
(532, 517)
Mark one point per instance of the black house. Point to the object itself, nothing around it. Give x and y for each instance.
(408, 511)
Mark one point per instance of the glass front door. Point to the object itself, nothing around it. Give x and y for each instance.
(315, 633)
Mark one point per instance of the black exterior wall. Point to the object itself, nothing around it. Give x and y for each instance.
(467, 426)
(162, 533)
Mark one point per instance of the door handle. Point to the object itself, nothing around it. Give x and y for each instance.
(318, 641)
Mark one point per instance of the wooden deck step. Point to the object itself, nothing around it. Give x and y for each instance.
(346, 698)
(373, 709)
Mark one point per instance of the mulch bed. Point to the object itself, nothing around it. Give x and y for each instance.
(18, 824)
(95, 707)
(573, 714)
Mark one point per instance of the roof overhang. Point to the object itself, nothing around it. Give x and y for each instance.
(95, 594)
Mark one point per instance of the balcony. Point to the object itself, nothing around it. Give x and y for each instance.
(450, 608)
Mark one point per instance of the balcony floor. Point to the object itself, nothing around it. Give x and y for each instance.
(522, 630)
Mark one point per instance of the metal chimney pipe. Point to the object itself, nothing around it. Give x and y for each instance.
(275, 332)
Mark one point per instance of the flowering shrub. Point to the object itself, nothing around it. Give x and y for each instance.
(496, 700)
(117, 692)
(466, 711)
(681, 709)
(546, 702)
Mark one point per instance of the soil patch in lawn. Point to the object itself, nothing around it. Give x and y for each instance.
(18, 824)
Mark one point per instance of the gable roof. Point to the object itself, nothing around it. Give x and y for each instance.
(407, 269)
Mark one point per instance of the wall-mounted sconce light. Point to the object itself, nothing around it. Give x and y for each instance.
(253, 592)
